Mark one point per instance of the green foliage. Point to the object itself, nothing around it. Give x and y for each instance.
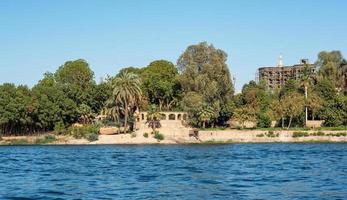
(46, 139)
(319, 133)
(244, 114)
(263, 120)
(158, 136)
(145, 135)
(126, 95)
(59, 128)
(300, 134)
(205, 77)
(18, 142)
(160, 83)
(153, 118)
(201, 85)
(82, 132)
(91, 137)
(334, 112)
(133, 135)
(269, 134)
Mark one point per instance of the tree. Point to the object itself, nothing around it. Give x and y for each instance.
(153, 118)
(127, 92)
(314, 103)
(293, 104)
(160, 83)
(334, 111)
(305, 82)
(203, 70)
(205, 114)
(86, 114)
(277, 111)
(244, 114)
(328, 64)
(77, 80)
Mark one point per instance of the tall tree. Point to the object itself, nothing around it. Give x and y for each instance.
(76, 77)
(160, 83)
(127, 92)
(203, 70)
(328, 64)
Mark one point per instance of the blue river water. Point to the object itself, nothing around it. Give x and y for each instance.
(233, 171)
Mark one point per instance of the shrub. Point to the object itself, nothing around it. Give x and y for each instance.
(260, 135)
(300, 134)
(133, 135)
(158, 136)
(18, 142)
(83, 132)
(263, 121)
(91, 137)
(145, 135)
(46, 140)
(59, 128)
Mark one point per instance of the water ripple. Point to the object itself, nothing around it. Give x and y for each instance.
(241, 171)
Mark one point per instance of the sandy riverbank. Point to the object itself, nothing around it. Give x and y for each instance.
(225, 136)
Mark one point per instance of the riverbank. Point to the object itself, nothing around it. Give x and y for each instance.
(203, 137)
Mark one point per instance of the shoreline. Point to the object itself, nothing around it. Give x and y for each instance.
(205, 137)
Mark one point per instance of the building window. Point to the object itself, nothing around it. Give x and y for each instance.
(172, 117)
(179, 117)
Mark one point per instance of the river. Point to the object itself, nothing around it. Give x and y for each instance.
(230, 171)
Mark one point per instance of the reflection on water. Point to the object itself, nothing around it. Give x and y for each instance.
(238, 171)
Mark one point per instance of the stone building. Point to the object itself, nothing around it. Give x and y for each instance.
(168, 120)
(276, 77)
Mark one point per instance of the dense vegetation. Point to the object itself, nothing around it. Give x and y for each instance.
(200, 84)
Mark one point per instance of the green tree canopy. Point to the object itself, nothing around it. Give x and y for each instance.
(203, 70)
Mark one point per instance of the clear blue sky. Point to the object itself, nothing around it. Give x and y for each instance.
(38, 36)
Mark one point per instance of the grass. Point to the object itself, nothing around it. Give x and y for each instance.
(18, 142)
(218, 142)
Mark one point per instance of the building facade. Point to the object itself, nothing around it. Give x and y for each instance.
(276, 77)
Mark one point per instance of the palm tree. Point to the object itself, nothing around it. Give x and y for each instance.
(306, 80)
(114, 111)
(153, 118)
(205, 115)
(127, 92)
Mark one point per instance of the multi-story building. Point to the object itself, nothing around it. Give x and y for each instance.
(276, 77)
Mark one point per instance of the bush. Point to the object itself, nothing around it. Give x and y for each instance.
(83, 132)
(263, 121)
(158, 136)
(145, 135)
(18, 142)
(46, 140)
(300, 134)
(92, 137)
(260, 135)
(133, 135)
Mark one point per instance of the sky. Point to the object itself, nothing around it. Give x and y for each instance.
(37, 36)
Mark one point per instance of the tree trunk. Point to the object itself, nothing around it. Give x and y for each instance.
(204, 124)
(290, 121)
(282, 122)
(160, 104)
(125, 117)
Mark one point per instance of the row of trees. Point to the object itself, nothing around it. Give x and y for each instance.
(200, 84)
(321, 93)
